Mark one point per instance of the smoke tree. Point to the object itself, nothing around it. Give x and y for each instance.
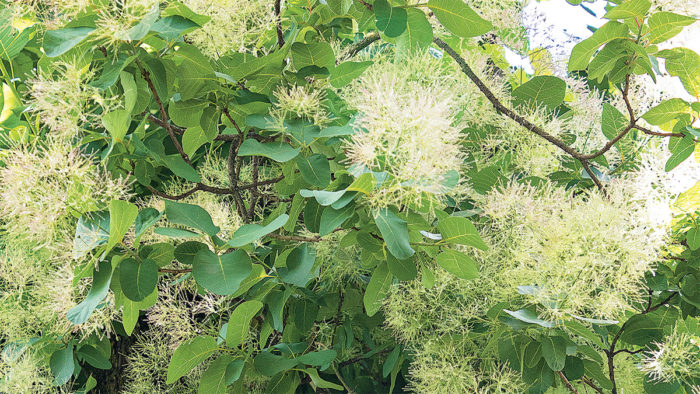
(346, 195)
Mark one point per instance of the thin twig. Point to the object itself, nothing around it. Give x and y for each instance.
(592, 385)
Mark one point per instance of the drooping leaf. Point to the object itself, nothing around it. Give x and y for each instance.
(252, 232)
(458, 264)
(418, 34)
(554, 352)
(188, 355)
(528, 316)
(213, 380)
(582, 52)
(122, 215)
(459, 19)
(58, 42)
(62, 365)
(314, 54)
(390, 20)
(101, 277)
(94, 357)
(394, 230)
(377, 289)
(239, 323)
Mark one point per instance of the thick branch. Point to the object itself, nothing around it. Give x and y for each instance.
(278, 17)
(497, 103)
(212, 189)
(360, 45)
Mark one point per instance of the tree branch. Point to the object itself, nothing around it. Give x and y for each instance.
(212, 189)
(567, 383)
(360, 45)
(592, 385)
(163, 115)
(278, 12)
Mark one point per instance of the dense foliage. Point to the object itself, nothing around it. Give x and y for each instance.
(345, 195)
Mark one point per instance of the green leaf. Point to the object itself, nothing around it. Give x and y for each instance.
(94, 357)
(600, 322)
(604, 62)
(117, 123)
(332, 218)
(304, 313)
(394, 230)
(270, 364)
(12, 41)
(323, 197)
(666, 111)
(195, 137)
(62, 365)
(195, 74)
(554, 352)
(390, 361)
(693, 238)
(186, 113)
(582, 52)
(91, 231)
(222, 274)
(629, 9)
(191, 216)
(234, 370)
(188, 355)
(365, 183)
(641, 330)
(121, 216)
(186, 251)
(173, 26)
(101, 277)
(390, 20)
(681, 151)
(529, 316)
(459, 264)
(347, 72)
(213, 380)
(418, 35)
(544, 90)
(180, 168)
(377, 289)
(146, 218)
(314, 54)
(684, 63)
(459, 19)
(239, 323)
(402, 269)
(138, 280)
(58, 42)
(319, 382)
(139, 30)
(252, 232)
(130, 310)
(460, 230)
(300, 262)
(321, 358)
(130, 91)
(613, 121)
(315, 170)
(664, 25)
(277, 151)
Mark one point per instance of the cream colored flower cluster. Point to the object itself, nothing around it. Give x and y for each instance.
(583, 256)
(675, 358)
(235, 25)
(61, 98)
(406, 129)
